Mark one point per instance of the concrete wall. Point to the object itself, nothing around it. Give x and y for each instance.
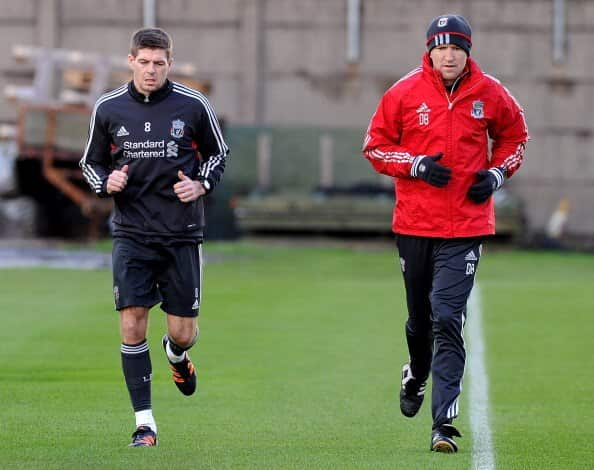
(283, 62)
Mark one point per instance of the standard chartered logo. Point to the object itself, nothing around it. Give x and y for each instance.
(172, 149)
(147, 149)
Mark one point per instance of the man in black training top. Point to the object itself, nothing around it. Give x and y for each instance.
(156, 147)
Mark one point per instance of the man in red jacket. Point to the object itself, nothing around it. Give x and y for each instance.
(432, 132)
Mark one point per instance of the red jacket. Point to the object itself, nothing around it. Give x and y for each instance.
(416, 116)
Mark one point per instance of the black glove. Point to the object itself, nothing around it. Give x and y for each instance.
(427, 168)
(488, 181)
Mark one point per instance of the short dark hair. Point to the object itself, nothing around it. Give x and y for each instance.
(151, 38)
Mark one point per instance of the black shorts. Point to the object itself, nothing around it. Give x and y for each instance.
(146, 274)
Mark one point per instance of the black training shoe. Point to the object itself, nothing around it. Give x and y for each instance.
(143, 437)
(412, 393)
(184, 374)
(442, 439)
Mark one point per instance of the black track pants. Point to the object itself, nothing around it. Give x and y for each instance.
(438, 277)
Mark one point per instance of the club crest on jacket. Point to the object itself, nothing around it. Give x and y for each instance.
(177, 128)
(477, 109)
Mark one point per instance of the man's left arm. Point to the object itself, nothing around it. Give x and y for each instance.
(510, 134)
(213, 149)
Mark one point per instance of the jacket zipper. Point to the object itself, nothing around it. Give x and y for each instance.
(449, 150)
(449, 142)
(449, 134)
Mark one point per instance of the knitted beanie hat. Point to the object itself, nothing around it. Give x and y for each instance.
(449, 29)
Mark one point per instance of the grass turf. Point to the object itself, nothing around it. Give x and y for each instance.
(298, 366)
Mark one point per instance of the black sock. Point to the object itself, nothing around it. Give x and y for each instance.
(136, 364)
(176, 348)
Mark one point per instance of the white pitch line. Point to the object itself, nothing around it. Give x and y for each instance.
(483, 456)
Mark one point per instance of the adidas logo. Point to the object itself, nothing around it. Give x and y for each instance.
(122, 132)
(470, 256)
(423, 108)
(196, 305)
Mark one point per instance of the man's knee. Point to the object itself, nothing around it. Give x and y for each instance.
(133, 322)
(184, 340)
(447, 321)
(184, 334)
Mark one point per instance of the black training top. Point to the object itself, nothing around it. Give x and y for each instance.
(175, 128)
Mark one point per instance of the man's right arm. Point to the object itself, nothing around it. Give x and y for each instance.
(387, 156)
(381, 146)
(96, 160)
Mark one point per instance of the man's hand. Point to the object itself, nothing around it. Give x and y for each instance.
(187, 189)
(427, 168)
(117, 180)
(488, 181)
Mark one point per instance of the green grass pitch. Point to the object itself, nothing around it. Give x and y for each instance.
(298, 364)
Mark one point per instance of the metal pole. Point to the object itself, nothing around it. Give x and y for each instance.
(353, 31)
(559, 31)
(149, 8)
(262, 64)
(326, 161)
(264, 160)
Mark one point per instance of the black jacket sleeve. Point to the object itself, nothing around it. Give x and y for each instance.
(96, 160)
(212, 147)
